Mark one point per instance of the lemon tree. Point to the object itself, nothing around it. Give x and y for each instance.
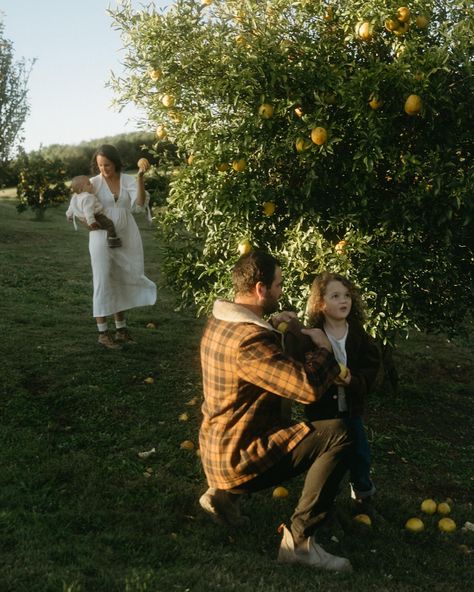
(352, 117)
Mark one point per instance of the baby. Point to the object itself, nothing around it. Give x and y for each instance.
(86, 207)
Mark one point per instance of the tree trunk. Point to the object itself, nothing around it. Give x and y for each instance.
(39, 214)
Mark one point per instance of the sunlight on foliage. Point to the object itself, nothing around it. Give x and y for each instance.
(311, 99)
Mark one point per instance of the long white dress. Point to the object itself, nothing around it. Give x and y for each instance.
(118, 273)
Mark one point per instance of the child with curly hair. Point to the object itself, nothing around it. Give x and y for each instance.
(335, 306)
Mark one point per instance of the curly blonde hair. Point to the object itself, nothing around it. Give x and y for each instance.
(314, 307)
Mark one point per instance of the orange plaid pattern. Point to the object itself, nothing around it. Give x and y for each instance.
(245, 374)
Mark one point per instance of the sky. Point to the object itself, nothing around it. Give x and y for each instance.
(76, 48)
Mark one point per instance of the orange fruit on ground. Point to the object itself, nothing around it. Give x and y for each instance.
(447, 525)
(340, 247)
(443, 508)
(265, 111)
(280, 491)
(363, 519)
(413, 105)
(319, 135)
(428, 506)
(403, 14)
(239, 165)
(414, 525)
(187, 445)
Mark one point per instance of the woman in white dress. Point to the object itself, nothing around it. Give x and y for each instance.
(118, 274)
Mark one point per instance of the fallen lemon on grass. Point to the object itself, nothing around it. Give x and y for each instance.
(414, 525)
(447, 525)
(149, 380)
(280, 491)
(187, 445)
(444, 508)
(363, 519)
(428, 506)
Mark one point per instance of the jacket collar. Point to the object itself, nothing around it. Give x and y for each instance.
(223, 310)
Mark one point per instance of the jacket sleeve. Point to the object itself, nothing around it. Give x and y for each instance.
(366, 370)
(261, 362)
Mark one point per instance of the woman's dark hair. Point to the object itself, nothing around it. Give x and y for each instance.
(256, 266)
(314, 308)
(110, 152)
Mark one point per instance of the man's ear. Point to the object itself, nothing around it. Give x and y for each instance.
(260, 290)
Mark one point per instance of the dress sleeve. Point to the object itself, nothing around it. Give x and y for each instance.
(129, 184)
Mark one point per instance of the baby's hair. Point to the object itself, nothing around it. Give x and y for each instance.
(314, 308)
(77, 183)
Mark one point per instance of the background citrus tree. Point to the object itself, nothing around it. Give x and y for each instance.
(337, 135)
(41, 184)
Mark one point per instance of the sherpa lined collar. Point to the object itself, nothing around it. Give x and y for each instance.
(223, 310)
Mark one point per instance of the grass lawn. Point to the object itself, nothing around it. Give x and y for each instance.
(81, 511)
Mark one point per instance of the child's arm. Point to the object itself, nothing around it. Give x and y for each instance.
(369, 360)
(296, 343)
(88, 202)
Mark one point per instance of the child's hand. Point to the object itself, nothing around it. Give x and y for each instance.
(94, 226)
(344, 381)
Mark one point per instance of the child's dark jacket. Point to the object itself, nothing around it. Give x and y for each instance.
(363, 360)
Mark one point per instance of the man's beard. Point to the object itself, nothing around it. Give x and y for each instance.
(270, 305)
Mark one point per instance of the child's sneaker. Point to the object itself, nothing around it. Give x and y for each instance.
(114, 242)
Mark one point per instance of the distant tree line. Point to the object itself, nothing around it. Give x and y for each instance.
(76, 159)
